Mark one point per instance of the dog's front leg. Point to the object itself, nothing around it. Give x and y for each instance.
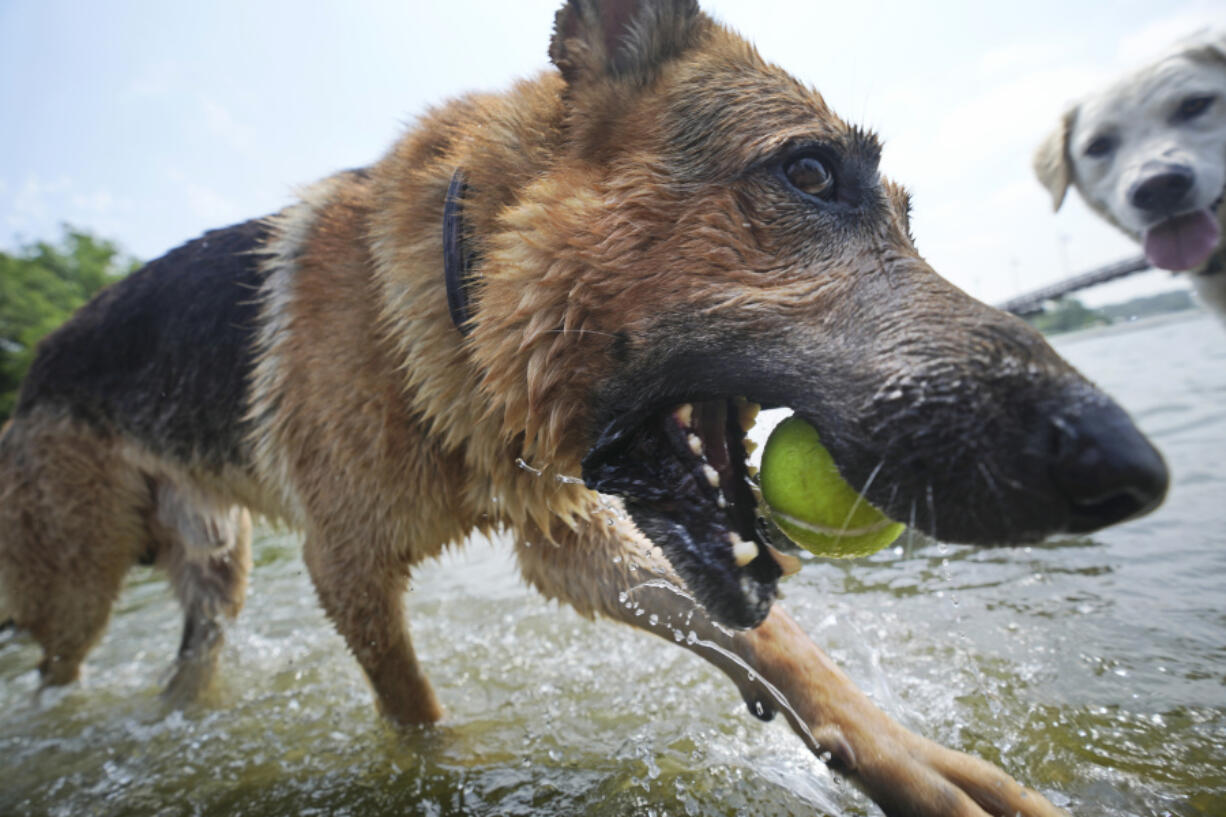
(612, 570)
(362, 591)
(904, 773)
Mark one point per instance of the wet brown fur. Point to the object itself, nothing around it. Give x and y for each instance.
(385, 436)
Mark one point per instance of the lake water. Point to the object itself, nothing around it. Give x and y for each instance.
(1092, 668)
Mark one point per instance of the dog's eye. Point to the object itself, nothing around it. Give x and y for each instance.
(1100, 147)
(1192, 107)
(810, 176)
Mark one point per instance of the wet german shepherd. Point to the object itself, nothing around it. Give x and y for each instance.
(598, 273)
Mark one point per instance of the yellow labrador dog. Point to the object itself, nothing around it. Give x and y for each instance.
(1149, 155)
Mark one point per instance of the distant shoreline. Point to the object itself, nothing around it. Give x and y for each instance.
(1121, 327)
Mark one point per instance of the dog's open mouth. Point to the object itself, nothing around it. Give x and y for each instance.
(1185, 241)
(683, 475)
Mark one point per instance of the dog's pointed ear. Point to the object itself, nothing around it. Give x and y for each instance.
(1051, 160)
(622, 38)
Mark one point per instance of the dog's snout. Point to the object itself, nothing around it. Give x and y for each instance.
(1163, 189)
(1104, 467)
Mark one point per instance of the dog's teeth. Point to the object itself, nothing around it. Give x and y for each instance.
(695, 444)
(685, 415)
(742, 552)
(721, 501)
(751, 470)
(750, 446)
(748, 413)
(788, 563)
(711, 474)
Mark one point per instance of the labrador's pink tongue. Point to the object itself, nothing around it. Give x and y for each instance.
(1184, 242)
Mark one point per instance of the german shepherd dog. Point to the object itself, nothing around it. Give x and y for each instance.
(552, 312)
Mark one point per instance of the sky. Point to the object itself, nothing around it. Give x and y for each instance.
(149, 122)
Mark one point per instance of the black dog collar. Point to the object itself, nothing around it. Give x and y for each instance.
(458, 260)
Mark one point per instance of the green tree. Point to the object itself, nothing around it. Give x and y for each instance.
(1067, 315)
(41, 285)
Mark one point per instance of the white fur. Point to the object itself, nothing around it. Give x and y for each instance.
(1212, 291)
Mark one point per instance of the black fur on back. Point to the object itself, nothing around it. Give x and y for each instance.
(165, 354)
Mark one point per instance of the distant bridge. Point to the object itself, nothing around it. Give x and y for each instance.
(1032, 302)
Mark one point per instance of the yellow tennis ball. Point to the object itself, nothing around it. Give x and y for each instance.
(811, 502)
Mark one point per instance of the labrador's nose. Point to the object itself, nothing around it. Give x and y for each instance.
(1162, 189)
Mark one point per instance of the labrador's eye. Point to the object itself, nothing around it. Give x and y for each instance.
(1100, 147)
(1193, 107)
(810, 176)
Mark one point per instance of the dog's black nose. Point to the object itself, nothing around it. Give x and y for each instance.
(1105, 468)
(1162, 189)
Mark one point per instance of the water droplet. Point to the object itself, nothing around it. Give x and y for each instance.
(536, 472)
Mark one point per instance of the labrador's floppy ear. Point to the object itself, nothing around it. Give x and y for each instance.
(1052, 162)
(595, 39)
(1209, 46)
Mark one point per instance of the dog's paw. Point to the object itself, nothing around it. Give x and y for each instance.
(906, 774)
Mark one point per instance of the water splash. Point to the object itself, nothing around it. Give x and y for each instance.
(699, 644)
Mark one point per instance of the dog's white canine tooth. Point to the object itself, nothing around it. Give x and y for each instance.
(742, 552)
(788, 563)
(747, 413)
(721, 501)
(711, 474)
(695, 445)
(685, 415)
